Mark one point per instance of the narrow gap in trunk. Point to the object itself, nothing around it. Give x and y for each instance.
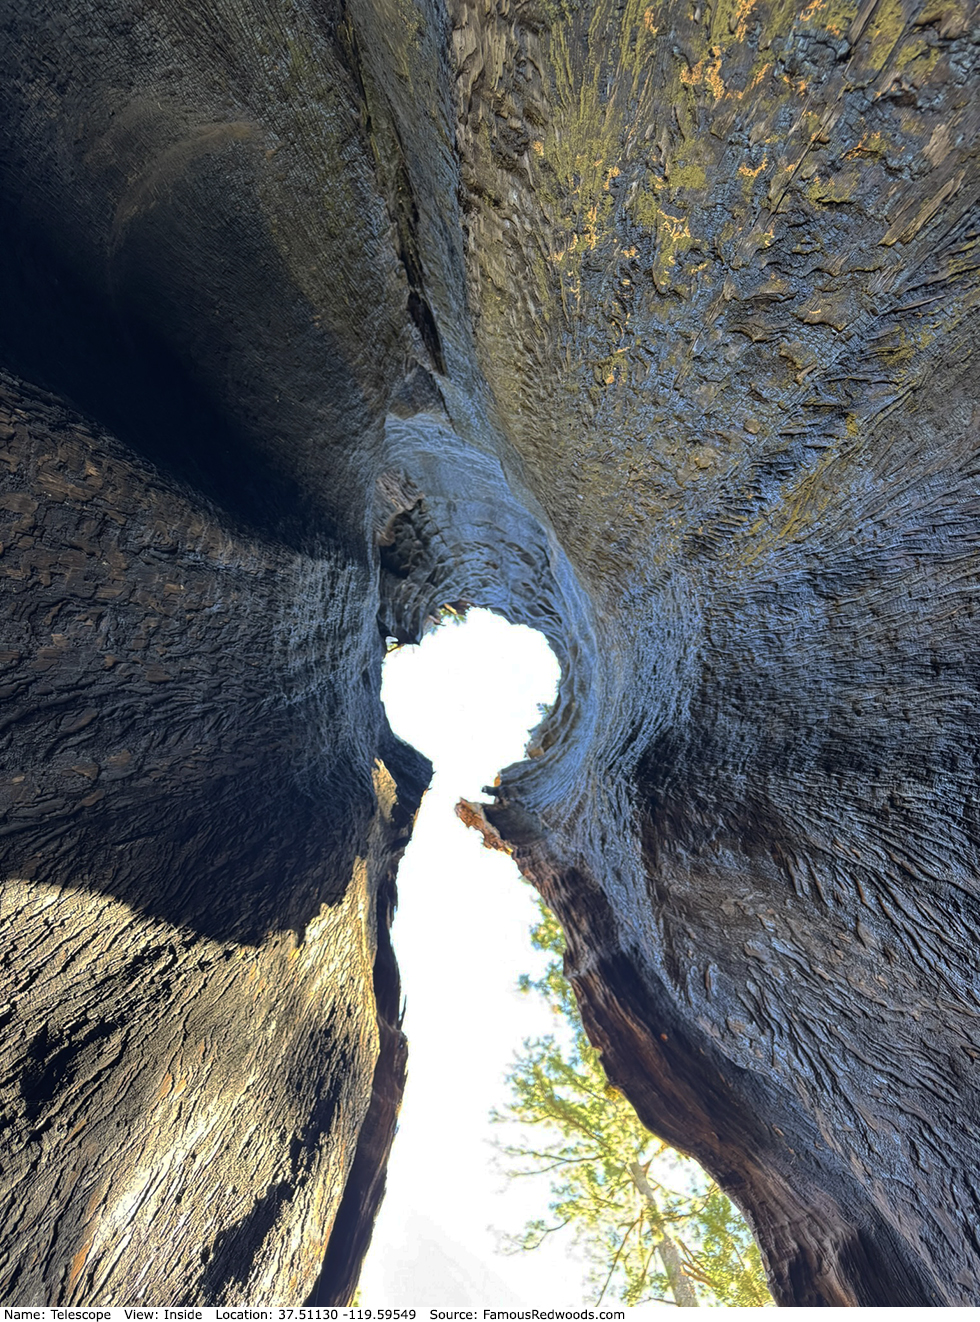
(467, 697)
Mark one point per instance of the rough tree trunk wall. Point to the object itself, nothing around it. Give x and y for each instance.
(650, 325)
(189, 1022)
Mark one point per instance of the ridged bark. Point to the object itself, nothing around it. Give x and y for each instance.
(650, 326)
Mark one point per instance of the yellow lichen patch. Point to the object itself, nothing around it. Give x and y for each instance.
(740, 18)
(713, 75)
(749, 173)
(582, 143)
(834, 15)
(614, 368)
(687, 176)
(646, 210)
(899, 351)
(707, 73)
(838, 188)
(885, 30)
(537, 146)
(673, 238)
(754, 81)
(918, 57)
(648, 23)
(871, 145)
(590, 232)
(800, 509)
(775, 287)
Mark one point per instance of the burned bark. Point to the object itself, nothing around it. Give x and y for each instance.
(651, 327)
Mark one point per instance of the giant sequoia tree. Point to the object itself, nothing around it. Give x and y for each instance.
(649, 325)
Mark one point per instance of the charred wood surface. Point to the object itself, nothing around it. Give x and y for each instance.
(652, 327)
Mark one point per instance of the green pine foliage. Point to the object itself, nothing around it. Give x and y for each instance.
(641, 1212)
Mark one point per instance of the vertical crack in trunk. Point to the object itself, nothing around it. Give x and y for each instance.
(700, 289)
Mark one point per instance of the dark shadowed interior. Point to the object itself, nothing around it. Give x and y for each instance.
(650, 327)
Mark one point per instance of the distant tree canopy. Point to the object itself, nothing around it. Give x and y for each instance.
(651, 1223)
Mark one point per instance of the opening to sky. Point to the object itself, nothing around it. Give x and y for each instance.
(466, 697)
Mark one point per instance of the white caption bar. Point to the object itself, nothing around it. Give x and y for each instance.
(83, 1313)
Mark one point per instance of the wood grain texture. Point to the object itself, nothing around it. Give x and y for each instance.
(755, 320)
(652, 327)
(190, 1024)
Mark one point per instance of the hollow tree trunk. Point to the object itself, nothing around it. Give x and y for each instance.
(652, 326)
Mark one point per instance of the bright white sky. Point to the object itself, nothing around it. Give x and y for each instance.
(466, 697)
